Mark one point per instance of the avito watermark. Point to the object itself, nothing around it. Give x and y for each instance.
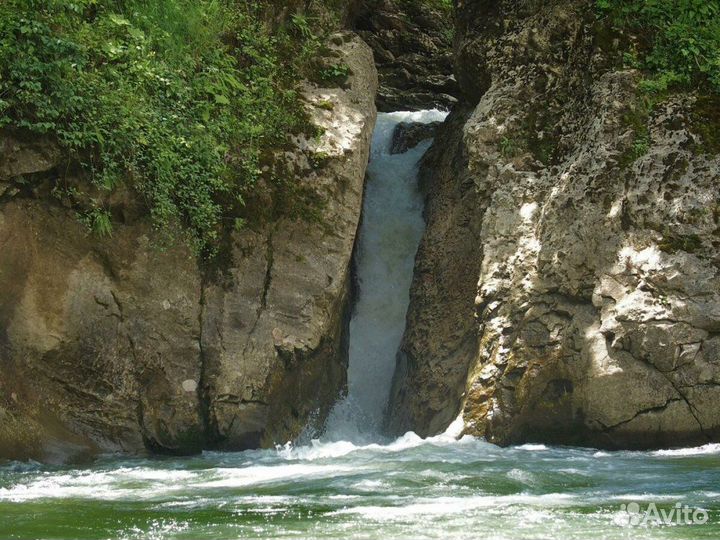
(636, 515)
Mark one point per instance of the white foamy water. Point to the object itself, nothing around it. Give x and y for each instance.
(696, 451)
(352, 483)
(389, 236)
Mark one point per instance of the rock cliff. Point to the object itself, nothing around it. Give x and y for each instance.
(117, 345)
(567, 287)
(412, 43)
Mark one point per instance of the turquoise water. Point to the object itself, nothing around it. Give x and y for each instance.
(352, 482)
(439, 488)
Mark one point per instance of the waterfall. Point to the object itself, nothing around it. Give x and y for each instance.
(388, 240)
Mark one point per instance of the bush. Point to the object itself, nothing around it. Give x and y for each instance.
(178, 99)
(681, 39)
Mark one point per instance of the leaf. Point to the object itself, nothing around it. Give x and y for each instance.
(118, 20)
(221, 99)
(136, 33)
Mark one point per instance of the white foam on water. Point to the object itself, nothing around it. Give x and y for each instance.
(262, 474)
(116, 484)
(91, 486)
(125, 484)
(532, 447)
(148, 474)
(712, 448)
(370, 485)
(157, 530)
(321, 449)
(455, 429)
(637, 497)
(458, 505)
(522, 476)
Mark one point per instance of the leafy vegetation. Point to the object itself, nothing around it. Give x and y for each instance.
(335, 74)
(180, 100)
(637, 117)
(680, 43)
(446, 5)
(705, 118)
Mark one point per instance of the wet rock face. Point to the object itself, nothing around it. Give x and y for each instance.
(593, 245)
(441, 333)
(412, 44)
(115, 345)
(408, 135)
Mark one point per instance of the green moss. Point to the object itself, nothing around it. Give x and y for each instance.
(636, 150)
(539, 134)
(325, 105)
(536, 134)
(332, 75)
(508, 147)
(705, 121)
(542, 148)
(538, 131)
(637, 119)
(319, 159)
(673, 243)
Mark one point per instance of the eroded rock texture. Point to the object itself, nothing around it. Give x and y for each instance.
(586, 228)
(408, 135)
(116, 345)
(412, 43)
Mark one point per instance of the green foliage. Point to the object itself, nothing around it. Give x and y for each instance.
(443, 5)
(98, 221)
(325, 105)
(673, 242)
(637, 118)
(334, 75)
(705, 118)
(508, 148)
(640, 146)
(180, 99)
(680, 39)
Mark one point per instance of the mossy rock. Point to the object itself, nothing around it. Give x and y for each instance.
(705, 122)
(672, 243)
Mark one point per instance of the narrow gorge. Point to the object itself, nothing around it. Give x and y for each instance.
(388, 239)
(376, 269)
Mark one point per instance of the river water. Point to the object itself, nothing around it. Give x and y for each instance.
(352, 482)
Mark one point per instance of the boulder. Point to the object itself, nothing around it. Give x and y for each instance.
(408, 135)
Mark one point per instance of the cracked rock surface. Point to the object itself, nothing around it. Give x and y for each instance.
(567, 289)
(115, 345)
(274, 341)
(412, 44)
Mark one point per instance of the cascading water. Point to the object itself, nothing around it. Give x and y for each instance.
(353, 484)
(391, 230)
